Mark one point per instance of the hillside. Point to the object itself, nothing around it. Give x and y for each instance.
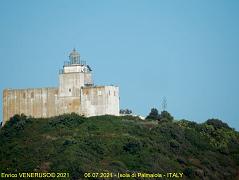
(75, 144)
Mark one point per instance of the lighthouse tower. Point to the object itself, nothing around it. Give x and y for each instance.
(72, 78)
(74, 75)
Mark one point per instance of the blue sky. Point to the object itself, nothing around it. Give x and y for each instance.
(186, 51)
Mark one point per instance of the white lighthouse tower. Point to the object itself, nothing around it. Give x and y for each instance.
(75, 75)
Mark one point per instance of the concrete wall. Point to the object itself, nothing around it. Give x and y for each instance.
(100, 100)
(69, 105)
(40, 102)
(74, 68)
(88, 78)
(46, 102)
(70, 84)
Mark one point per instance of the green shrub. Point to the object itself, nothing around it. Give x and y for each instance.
(153, 115)
(217, 124)
(165, 116)
(132, 147)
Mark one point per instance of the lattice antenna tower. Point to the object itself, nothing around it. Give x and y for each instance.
(164, 104)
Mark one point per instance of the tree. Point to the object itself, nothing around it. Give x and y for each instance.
(165, 116)
(153, 114)
(217, 124)
(125, 111)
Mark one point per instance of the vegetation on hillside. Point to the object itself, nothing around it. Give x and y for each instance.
(75, 144)
(164, 116)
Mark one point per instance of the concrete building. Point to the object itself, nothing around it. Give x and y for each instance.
(76, 93)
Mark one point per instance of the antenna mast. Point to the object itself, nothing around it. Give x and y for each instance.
(164, 104)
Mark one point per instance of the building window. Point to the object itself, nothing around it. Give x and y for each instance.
(109, 93)
(114, 93)
(70, 90)
(24, 95)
